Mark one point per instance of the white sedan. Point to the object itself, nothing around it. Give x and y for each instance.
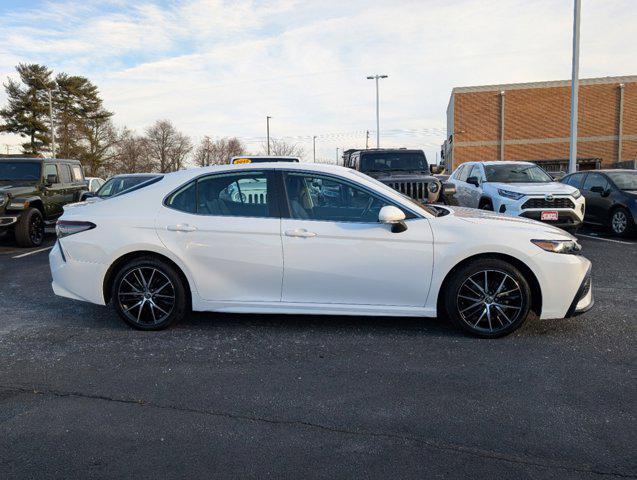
(314, 239)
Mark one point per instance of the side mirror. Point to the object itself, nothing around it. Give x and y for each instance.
(86, 195)
(51, 179)
(393, 216)
(473, 181)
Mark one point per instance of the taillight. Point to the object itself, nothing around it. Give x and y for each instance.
(64, 228)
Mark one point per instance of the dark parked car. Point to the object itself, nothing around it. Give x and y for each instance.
(611, 198)
(33, 192)
(120, 183)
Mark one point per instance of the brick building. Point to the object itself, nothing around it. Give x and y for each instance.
(531, 121)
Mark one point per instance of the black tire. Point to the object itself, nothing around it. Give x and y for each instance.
(29, 229)
(486, 205)
(507, 311)
(142, 281)
(620, 222)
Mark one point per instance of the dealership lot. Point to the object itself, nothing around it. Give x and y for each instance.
(306, 396)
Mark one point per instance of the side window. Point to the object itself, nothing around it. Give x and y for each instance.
(458, 172)
(317, 197)
(595, 180)
(50, 169)
(184, 199)
(575, 180)
(65, 173)
(473, 172)
(78, 176)
(242, 194)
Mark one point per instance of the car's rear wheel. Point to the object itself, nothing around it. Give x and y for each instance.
(29, 229)
(149, 294)
(488, 298)
(620, 221)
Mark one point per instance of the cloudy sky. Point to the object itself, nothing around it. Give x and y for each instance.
(218, 67)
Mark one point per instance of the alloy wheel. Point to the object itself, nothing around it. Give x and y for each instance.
(489, 301)
(146, 296)
(619, 222)
(36, 229)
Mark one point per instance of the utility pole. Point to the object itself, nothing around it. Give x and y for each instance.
(336, 155)
(51, 120)
(572, 158)
(267, 122)
(376, 78)
(314, 148)
(367, 139)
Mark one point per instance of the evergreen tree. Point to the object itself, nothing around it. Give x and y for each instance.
(27, 112)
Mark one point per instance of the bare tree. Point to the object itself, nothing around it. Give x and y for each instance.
(130, 155)
(283, 149)
(168, 147)
(217, 152)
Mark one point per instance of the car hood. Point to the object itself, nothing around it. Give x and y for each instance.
(400, 176)
(16, 189)
(497, 220)
(553, 188)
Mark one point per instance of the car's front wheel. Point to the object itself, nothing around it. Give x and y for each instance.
(29, 230)
(149, 294)
(488, 298)
(620, 221)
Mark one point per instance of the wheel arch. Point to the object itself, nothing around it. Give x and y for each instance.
(534, 284)
(484, 199)
(110, 274)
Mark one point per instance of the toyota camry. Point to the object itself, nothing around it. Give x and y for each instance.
(312, 239)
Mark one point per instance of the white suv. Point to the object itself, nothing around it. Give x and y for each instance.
(519, 189)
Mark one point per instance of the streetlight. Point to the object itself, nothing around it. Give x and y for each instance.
(376, 77)
(48, 90)
(314, 149)
(572, 157)
(267, 122)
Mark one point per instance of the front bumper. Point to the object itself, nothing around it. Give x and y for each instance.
(583, 300)
(566, 217)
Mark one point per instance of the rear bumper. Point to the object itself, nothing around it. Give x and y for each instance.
(583, 300)
(75, 279)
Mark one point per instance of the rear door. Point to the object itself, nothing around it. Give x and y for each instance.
(226, 228)
(68, 189)
(53, 193)
(473, 193)
(336, 251)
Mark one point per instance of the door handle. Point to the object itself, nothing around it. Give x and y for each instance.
(300, 232)
(181, 227)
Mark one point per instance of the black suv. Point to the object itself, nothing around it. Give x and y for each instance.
(404, 170)
(33, 192)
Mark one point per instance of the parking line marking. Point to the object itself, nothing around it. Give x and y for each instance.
(34, 251)
(604, 239)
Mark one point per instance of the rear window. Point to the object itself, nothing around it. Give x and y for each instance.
(120, 185)
(78, 176)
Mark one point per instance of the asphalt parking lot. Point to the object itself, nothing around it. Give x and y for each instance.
(255, 396)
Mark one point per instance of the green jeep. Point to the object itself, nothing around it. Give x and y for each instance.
(33, 192)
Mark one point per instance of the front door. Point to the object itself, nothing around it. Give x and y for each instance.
(598, 202)
(226, 229)
(54, 192)
(336, 251)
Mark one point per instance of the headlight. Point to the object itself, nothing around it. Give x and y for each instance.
(558, 246)
(576, 194)
(64, 228)
(510, 194)
(433, 187)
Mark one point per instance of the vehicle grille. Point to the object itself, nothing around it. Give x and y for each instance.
(557, 202)
(416, 190)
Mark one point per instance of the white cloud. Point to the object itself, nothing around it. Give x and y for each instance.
(219, 68)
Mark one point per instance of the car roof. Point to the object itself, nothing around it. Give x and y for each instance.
(149, 175)
(500, 162)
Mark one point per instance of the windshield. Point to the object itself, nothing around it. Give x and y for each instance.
(516, 173)
(19, 171)
(624, 180)
(394, 161)
(116, 185)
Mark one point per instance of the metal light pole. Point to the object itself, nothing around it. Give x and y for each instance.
(314, 149)
(572, 158)
(377, 77)
(336, 155)
(267, 122)
(52, 125)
